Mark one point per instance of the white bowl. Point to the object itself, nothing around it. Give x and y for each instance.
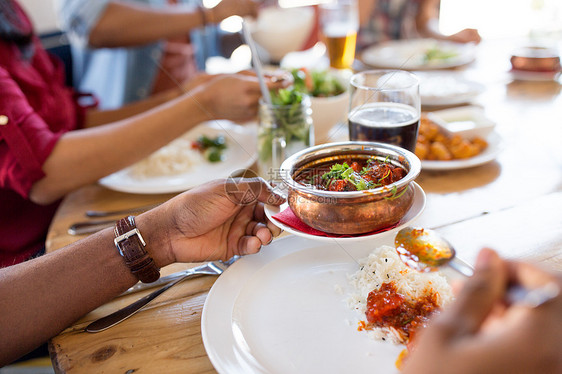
(468, 121)
(332, 110)
(279, 31)
(326, 113)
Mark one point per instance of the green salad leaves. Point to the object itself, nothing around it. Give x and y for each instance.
(288, 119)
(438, 54)
(317, 83)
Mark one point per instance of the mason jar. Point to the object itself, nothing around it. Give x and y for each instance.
(283, 130)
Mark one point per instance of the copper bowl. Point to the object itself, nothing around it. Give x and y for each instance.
(536, 59)
(351, 212)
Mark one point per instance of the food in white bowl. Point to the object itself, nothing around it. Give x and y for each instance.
(329, 95)
(468, 121)
(279, 31)
(437, 143)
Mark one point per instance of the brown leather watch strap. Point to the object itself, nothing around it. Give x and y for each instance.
(130, 244)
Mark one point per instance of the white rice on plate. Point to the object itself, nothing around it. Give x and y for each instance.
(174, 158)
(382, 266)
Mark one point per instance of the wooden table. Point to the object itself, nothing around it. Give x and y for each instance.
(513, 204)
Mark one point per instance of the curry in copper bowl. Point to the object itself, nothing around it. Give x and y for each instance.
(351, 187)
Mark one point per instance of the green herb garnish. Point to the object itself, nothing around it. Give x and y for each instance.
(344, 172)
(336, 171)
(212, 148)
(394, 190)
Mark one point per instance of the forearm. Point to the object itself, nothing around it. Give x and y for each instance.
(125, 24)
(365, 10)
(83, 156)
(101, 117)
(427, 19)
(41, 297)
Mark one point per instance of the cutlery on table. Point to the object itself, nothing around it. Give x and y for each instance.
(80, 228)
(88, 227)
(425, 250)
(198, 270)
(106, 213)
(211, 268)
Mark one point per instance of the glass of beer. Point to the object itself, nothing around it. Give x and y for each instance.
(385, 106)
(339, 22)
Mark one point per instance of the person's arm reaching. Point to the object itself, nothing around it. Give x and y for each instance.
(125, 23)
(427, 24)
(41, 297)
(83, 156)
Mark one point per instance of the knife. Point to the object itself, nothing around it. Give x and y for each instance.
(211, 268)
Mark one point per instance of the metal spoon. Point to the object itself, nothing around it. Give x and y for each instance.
(425, 250)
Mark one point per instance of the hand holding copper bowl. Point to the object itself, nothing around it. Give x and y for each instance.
(350, 212)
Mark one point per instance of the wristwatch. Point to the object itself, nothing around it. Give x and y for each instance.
(131, 246)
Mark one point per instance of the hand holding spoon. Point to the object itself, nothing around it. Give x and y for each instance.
(424, 250)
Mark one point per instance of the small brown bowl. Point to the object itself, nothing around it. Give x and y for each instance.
(535, 59)
(350, 212)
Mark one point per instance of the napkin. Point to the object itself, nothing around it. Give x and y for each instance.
(290, 219)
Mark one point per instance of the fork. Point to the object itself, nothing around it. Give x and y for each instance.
(107, 213)
(211, 268)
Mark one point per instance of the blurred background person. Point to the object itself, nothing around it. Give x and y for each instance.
(384, 20)
(124, 51)
(51, 145)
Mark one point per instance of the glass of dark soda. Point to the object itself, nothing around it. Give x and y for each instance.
(385, 106)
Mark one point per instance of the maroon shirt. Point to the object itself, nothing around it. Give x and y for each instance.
(39, 109)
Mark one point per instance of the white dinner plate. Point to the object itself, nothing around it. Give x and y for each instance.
(415, 210)
(447, 88)
(495, 146)
(241, 153)
(409, 54)
(284, 310)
